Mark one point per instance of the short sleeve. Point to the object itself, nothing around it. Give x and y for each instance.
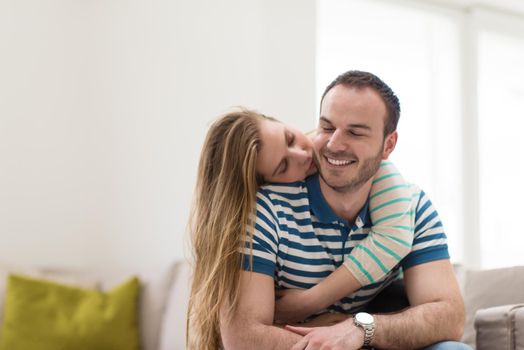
(263, 255)
(430, 241)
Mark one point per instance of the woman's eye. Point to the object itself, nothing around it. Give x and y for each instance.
(284, 169)
(326, 129)
(291, 140)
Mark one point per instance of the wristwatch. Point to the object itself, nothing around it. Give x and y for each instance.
(367, 323)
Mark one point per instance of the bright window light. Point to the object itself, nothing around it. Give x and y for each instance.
(501, 124)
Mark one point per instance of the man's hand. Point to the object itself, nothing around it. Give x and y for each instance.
(342, 336)
(292, 305)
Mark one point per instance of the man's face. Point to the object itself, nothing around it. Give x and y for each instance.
(350, 141)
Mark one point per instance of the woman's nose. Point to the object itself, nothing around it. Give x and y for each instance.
(301, 155)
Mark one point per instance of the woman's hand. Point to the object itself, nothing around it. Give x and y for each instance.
(342, 336)
(293, 305)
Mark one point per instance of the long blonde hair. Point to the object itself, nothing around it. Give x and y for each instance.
(224, 203)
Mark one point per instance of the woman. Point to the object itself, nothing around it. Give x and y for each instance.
(233, 164)
(224, 201)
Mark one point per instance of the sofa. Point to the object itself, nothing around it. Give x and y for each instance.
(494, 302)
(164, 293)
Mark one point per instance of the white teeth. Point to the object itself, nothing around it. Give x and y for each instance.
(338, 162)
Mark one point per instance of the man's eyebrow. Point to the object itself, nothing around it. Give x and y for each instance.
(282, 161)
(350, 126)
(325, 120)
(358, 126)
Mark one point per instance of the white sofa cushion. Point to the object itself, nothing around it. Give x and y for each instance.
(173, 332)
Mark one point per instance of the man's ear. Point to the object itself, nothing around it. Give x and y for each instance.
(389, 144)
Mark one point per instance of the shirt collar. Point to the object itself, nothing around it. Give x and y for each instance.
(324, 213)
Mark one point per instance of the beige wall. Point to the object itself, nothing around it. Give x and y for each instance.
(104, 106)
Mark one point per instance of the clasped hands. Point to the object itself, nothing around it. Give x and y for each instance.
(329, 331)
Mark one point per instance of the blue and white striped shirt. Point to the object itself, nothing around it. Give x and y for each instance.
(299, 240)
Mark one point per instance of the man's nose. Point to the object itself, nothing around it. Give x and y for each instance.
(336, 141)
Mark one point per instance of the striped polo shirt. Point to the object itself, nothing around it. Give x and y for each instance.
(299, 240)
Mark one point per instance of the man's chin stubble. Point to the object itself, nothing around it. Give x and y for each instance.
(348, 188)
(370, 167)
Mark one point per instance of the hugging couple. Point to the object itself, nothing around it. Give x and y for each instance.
(296, 237)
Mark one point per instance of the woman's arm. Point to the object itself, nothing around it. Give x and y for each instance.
(251, 324)
(389, 241)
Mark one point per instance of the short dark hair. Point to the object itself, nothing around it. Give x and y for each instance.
(359, 80)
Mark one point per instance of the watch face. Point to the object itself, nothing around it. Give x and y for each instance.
(364, 318)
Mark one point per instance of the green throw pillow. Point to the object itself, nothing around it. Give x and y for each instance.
(43, 315)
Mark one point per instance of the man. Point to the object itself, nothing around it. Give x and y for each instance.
(304, 230)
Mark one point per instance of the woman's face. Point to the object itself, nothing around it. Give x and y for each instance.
(286, 154)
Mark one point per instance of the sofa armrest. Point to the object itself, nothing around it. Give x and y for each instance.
(500, 327)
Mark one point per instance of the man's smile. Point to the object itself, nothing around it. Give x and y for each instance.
(339, 162)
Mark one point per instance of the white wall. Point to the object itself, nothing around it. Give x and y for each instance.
(104, 106)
